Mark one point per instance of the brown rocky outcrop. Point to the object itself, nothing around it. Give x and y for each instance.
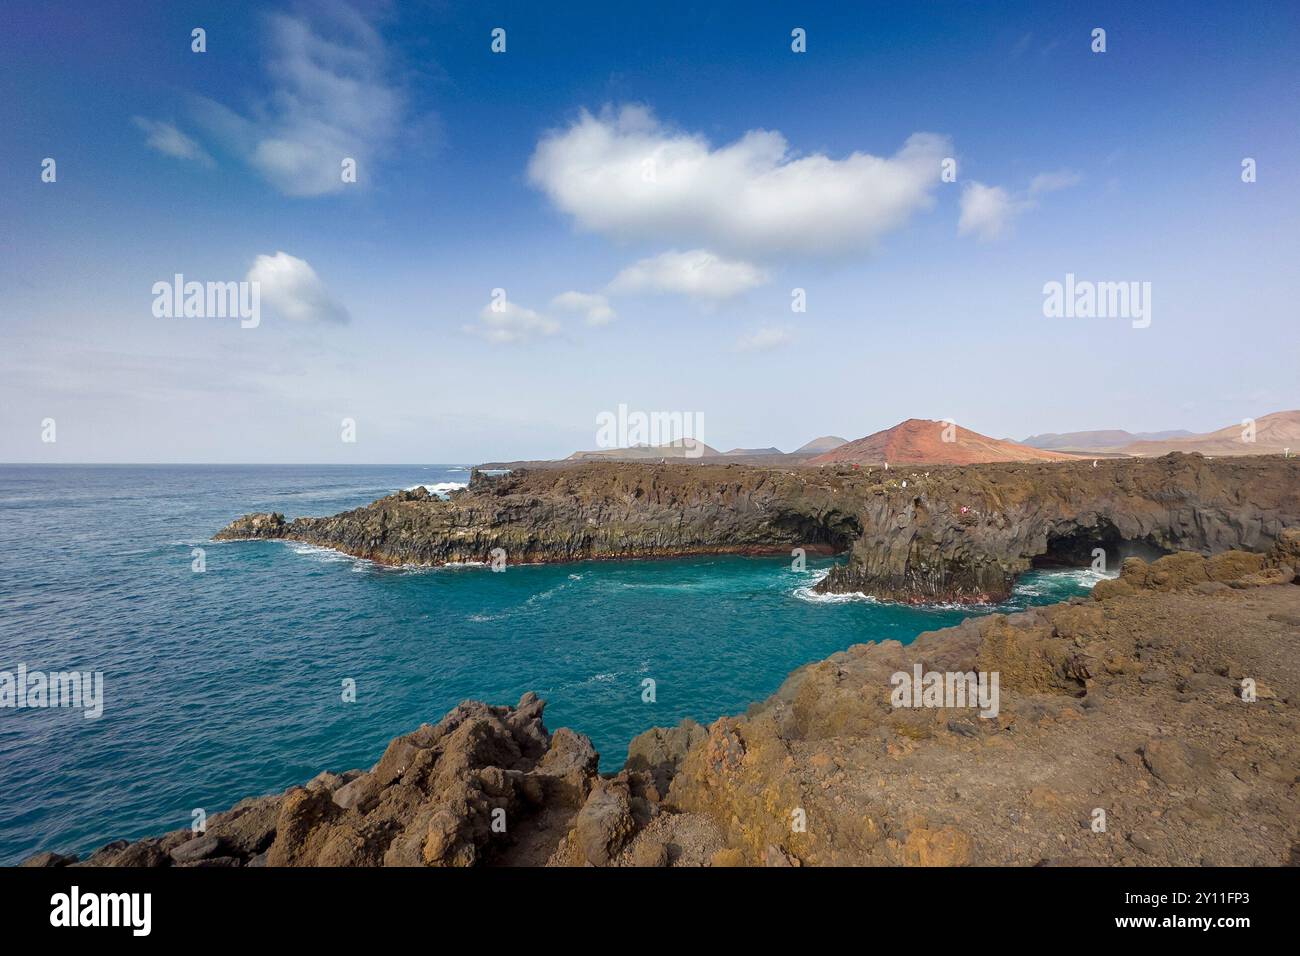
(951, 534)
(1156, 725)
(482, 785)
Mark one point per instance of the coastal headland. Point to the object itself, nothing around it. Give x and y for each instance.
(943, 534)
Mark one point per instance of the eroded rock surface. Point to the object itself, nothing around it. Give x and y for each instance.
(1162, 709)
(944, 534)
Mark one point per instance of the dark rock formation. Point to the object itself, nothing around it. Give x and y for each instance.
(919, 544)
(950, 534)
(587, 511)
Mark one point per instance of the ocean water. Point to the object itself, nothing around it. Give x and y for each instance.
(228, 683)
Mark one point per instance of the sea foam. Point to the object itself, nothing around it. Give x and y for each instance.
(441, 488)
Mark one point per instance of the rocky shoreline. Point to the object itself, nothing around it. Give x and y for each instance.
(938, 535)
(1153, 723)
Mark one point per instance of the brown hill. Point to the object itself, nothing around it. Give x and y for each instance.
(920, 441)
(819, 445)
(1274, 434)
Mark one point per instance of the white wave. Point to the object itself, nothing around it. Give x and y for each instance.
(1052, 582)
(321, 553)
(808, 594)
(1087, 576)
(441, 488)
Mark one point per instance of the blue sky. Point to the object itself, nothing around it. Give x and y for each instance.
(525, 171)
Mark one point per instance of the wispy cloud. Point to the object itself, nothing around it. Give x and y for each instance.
(697, 273)
(626, 175)
(331, 99)
(764, 340)
(593, 306)
(505, 323)
(988, 212)
(1051, 182)
(291, 289)
(170, 141)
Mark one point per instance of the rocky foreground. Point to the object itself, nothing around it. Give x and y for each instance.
(1155, 722)
(945, 534)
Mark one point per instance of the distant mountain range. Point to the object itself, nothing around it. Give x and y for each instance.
(679, 449)
(1108, 440)
(682, 448)
(1273, 434)
(920, 441)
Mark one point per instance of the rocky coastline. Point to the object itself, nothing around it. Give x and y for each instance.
(919, 535)
(1155, 722)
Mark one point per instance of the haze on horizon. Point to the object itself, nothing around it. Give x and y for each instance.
(622, 210)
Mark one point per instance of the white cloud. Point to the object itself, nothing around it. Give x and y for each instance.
(170, 141)
(509, 324)
(987, 211)
(594, 307)
(330, 100)
(626, 175)
(292, 289)
(697, 273)
(1051, 182)
(764, 340)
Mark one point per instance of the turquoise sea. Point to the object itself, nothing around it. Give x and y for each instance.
(228, 683)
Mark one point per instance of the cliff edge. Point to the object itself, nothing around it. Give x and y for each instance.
(951, 534)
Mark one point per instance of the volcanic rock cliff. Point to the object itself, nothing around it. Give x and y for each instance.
(964, 534)
(587, 511)
(1154, 723)
(950, 534)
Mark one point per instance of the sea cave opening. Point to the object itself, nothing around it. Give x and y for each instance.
(833, 533)
(1077, 547)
